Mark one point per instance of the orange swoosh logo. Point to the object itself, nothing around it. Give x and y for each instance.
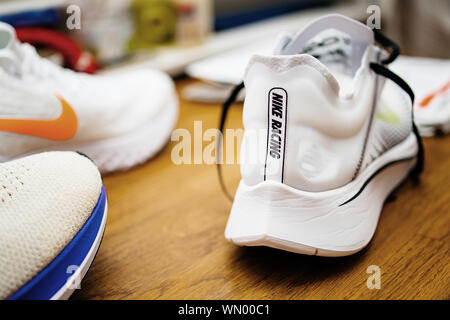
(426, 101)
(62, 128)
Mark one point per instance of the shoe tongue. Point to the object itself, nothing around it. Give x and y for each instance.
(337, 41)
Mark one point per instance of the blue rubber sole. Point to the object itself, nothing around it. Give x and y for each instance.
(54, 276)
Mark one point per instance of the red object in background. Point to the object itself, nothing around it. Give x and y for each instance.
(74, 56)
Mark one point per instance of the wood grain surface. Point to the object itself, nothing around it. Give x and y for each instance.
(164, 237)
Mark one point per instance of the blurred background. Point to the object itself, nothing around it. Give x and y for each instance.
(88, 35)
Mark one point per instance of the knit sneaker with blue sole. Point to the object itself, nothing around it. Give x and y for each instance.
(53, 210)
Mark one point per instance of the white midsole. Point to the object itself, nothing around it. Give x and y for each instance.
(69, 287)
(276, 215)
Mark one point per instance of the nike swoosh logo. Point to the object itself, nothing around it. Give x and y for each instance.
(59, 129)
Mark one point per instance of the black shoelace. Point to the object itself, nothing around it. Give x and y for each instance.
(226, 106)
(380, 69)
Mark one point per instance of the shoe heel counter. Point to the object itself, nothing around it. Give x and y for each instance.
(273, 93)
(289, 129)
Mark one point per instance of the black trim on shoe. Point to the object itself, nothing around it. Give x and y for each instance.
(373, 176)
(84, 155)
(387, 43)
(385, 72)
(418, 169)
(226, 106)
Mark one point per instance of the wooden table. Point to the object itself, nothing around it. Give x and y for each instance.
(164, 237)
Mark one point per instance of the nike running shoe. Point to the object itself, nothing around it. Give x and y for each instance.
(118, 120)
(52, 218)
(329, 134)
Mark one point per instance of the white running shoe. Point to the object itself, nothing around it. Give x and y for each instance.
(334, 137)
(117, 120)
(52, 217)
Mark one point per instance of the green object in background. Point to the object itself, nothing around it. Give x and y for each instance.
(155, 22)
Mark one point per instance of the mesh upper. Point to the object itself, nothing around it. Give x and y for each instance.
(44, 201)
(391, 124)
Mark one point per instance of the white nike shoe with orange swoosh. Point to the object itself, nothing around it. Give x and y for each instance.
(118, 120)
(337, 138)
